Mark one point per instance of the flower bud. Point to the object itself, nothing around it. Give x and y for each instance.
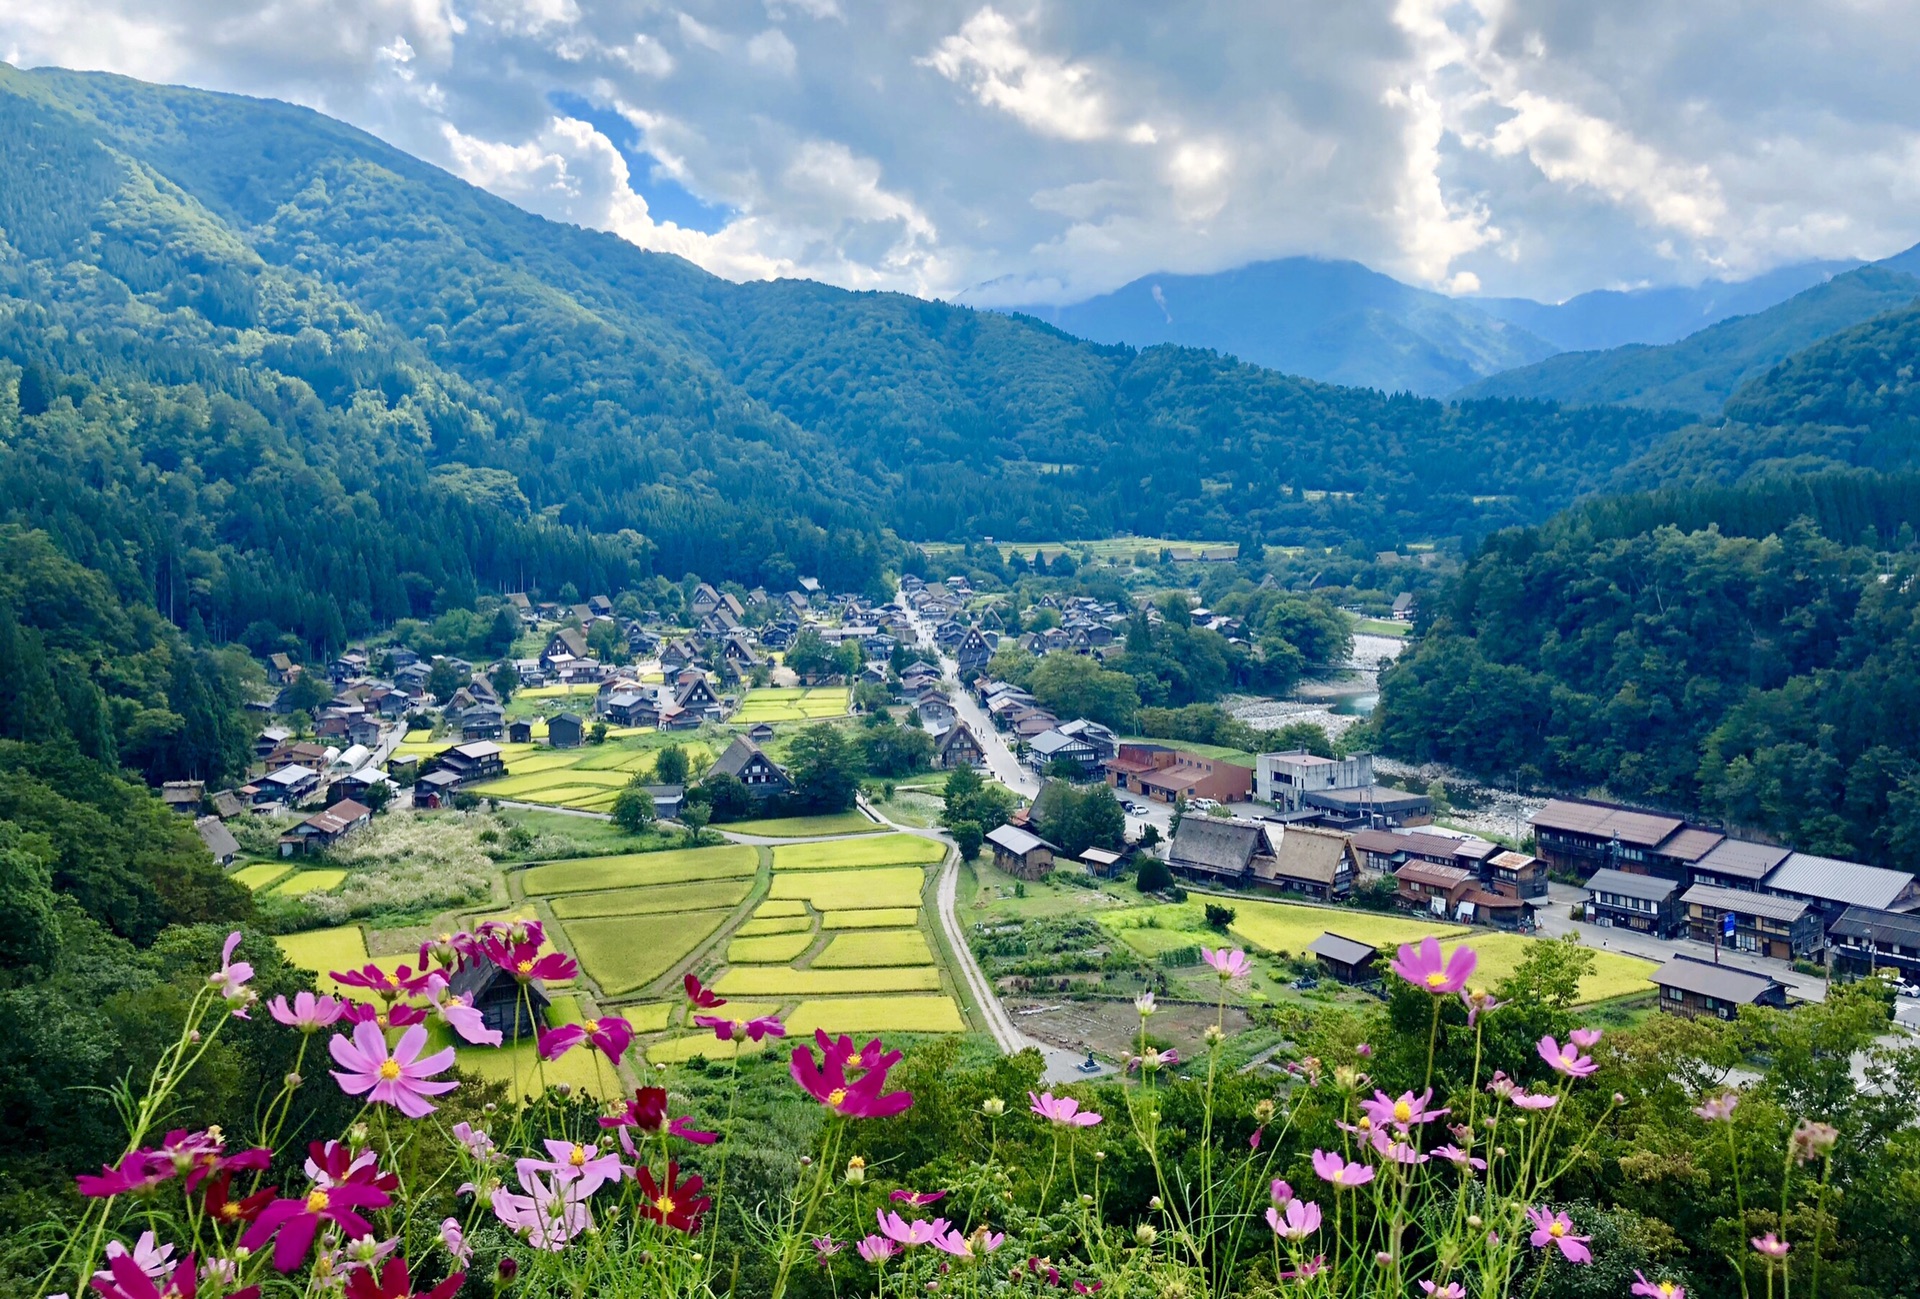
(1618, 1099)
(564, 1088)
(357, 1135)
(1263, 1112)
(1099, 1156)
(1383, 1258)
(193, 1035)
(1145, 1234)
(1086, 1201)
(292, 1080)
(806, 1161)
(1473, 1220)
(1154, 1204)
(1215, 1035)
(488, 1108)
(508, 1269)
(993, 1107)
(856, 1170)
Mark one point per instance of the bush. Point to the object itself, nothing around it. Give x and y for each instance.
(1219, 917)
(967, 836)
(1153, 876)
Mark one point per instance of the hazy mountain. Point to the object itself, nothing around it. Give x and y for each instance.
(1335, 321)
(1700, 372)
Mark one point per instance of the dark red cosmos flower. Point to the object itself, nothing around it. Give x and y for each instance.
(699, 994)
(137, 1172)
(678, 1205)
(394, 1016)
(333, 1163)
(863, 1098)
(124, 1280)
(394, 1283)
(228, 1212)
(523, 960)
(646, 1111)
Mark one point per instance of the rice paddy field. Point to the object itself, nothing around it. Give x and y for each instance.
(845, 890)
(767, 948)
(869, 948)
(876, 918)
(773, 925)
(518, 1061)
(585, 779)
(792, 705)
(903, 1014)
(806, 827)
(880, 850)
(623, 954)
(675, 866)
(301, 882)
(781, 981)
(344, 948)
(703, 895)
(259, 875)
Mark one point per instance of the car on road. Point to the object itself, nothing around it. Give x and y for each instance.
(1202, 804)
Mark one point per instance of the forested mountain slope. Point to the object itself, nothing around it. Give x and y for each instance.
(1699, 373)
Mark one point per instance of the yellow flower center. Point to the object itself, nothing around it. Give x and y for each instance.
(389, 1069)
(856, 1162)
(1666, 1288)
(1436, 979)
(665, 1205)
(525, 967)
(316, 1201)
(591, 1025)
(380, 1018)
(1402, 1112)
(1556, 1229)
(1365, 1124)
(230, 1210)
(579, 1157)
(837, 1097)
(739, 1027)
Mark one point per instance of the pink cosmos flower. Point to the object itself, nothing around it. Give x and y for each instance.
(1557, 1229)
(1281, 1192)
(917, 1199)
(231, 979)
(825, 1247)
(476, 1141)
(1402, 1113)
(1307, 1270)
(732, 1030)
(524, 962)
(1656, 1289)
(1427, 969)
(877, 1249)
(549, 1215)
(1585, 1038)
(982, 1241)
(1478, 1003)
(1062, 1109)
(308, 1013)
(446, 950)
(1397, 1152)
(1228, 965)
(1454, 1154)
(897, 1229)
(1451, 1290)
(569, 1161)
(1300, 1221)
(1330, 1167)
(297, 1221)
(403, 982)
(458, 1013)
(125, 1280)
(152, 1258)
(865, 1098)
(396, 1077)
(136, 1173)
(1565, 1059)
(1718, 1109)
(455, 1241)
(610, 1035)
(1529, 1101)
(395, 1015)
(1771, 1246)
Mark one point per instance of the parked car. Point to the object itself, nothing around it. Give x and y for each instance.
(1203, 804)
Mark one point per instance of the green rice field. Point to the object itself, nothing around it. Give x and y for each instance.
(261, 874)
(882, 850)
(518, 1060)
(769, 947)
(792, 705)
(863, 948)
(806, 827)
(310, 882)
(779, 981)
(768, 910)
(773, 925)
(704, 1044)
(1614, 974)
(907, 1014)
(701, 895)
(650, 1018)
(625, 953)
(877, 918)
(843, 890)
(676, 866)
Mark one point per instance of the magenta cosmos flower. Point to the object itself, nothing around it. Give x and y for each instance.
(921, 1232)
(1402, 1113)
(699, 994)
(1451, 1290)
(982, 1241)
(396, 1076)
(918, 1199)
(1427, 969)
(1557, 1229)
(1062, 1109)
(298, 1220)
(1566, 1059)
(1226, 964)
(877, 1249)
(1656, 1289)
(137, 1172)
(610, 1035)
(1332, 1168)
(524, 961)
(732, 1030)
(1301, 1220)
(1718, 1109)
(124, 1280)
(308, 1013)
(403, 982)
(864, 1098)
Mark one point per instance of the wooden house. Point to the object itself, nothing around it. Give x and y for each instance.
(762, 776)
(1021, 853)
(503, 1005)
(1693, 988)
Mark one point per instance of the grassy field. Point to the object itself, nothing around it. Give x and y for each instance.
(882, 886)
(678, 866)
(877, 918)
(861, 948)
(768, 948)
(261, 874)
(779, 981)
(771, 908)
(1614, 974)
(586, 778)
(883, 850)
(806, 827)
(792, 705)
(907, 1014)
(651, 1018)
(625, 953)
(704, 895)
(1282, 928)
(773, 925)
(320, 950)
(310, 882)
(1381, 627)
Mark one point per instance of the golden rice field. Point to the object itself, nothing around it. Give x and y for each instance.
(806, 827)
(700, 895)
(768, 948)
(301, 882)
(623, 954)
(876, 918)
(518, 1061)
(882, 850)
(774, 704)
(261, 874)
(773, 925)
(769, 909)
(703, 1043)
(882, 886)
(676, 866)
(652, 1017)
(864, 948)
(780, 981)
(1614, 974)
(902, 1014)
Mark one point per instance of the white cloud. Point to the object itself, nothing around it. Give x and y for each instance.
(772, 50)
(1053, 97)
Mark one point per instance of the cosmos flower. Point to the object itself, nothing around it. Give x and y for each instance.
(1062, 1109)
(1397, 1152)
(1427, 969)
(219, 1207)
(1566, 1059)
(1402, 1113)
(458, 1014)
(610, 1035)
(125, 1280)
(570, 1161)
(1530, 1101)
(1478, 1003)
(549, 1215)
(918, 1199)
(396, 1077)
(982, 1241)
(1771, 1246)
(296, 1221)
(1557, 1229)
(231, 979)
(675, 1204)
(455, 1241)
(1144, 1003)
(865, 1098)
(524, 962)
(1330, 1167)
(1717, 1109)
(402, 982)
(308, 1013)
(1656, 1289)
(151, 1257)
(699, 994)
(920, 1232)
(877, 1249)
(1227, 964)
(732, 1030)
(1454, 1154)
(1300, 1220)
(397, 1015)
(137, 1172)
(393, 1282)
(1451, 1290)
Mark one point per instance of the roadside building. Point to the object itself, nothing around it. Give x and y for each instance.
(1831, 885)
(1739, 864)
(1021, 853)
(1285, 779)
(1580, 837)
(1302, 859)
(325, 828)
(1346, 959)
(763, 777)
(1371, 807)
(1645, 904)
(1866, 941)
(1695, 988)
(1785, 929)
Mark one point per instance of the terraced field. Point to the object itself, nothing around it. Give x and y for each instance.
(677, 866)
(626, 953)
(767, 948)
(844, 890)
(872, 948)
(259, 875)
(903, 1014)
(586, 778)
(881, 850)
(703, 895)
(782, 981)
(876, 918)
(319, 881)
(807, 827)
(793, 705)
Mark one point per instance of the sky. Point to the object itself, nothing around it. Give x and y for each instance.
(1042, 151)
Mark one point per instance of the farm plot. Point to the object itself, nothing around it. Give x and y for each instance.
(780, 981)
(769, 947)
(770, 909)
(844, 890)
(677, 866)
(586, 778)
(1279, 927)
(704, 895)
(325, 950)
(805, 827)
(302, 882)
(906, 1014)
(259, 875)
(625, 953)
(882, 850)
(1614, 974)
(792, 705)
(864, 948)
(877, 918)
(773, 925)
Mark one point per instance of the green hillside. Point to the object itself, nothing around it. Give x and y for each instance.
(1699, 373)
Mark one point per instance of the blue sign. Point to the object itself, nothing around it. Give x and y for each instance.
(1726, 925)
